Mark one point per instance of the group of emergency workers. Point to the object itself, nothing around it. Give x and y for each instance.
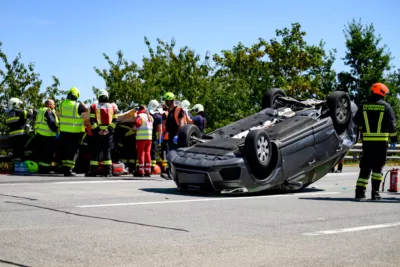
(138, 143)
(154, 132)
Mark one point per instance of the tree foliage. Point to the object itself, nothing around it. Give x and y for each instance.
(20, 80)
(367, 59)
(231, 83)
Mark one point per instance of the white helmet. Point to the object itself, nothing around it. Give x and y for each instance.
(185, 104)
(198, 108)
(14, 103)
(153, 106)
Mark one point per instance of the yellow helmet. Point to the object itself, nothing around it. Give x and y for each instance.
(169, 96)
(32, 166)
(74, 91)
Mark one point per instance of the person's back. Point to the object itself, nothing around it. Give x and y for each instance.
(378, 123)
(377, 119)
(16, 120)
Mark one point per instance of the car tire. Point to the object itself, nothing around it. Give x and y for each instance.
(258, 141)
(339, 105)
(185, 134)
(269, 99)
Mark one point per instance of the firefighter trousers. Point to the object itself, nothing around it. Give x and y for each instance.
(18, 143)
(372, 161)
(144, 156)
(70, 143)
(47, 146)
(128, 152)
(103, 144)
(153, 154)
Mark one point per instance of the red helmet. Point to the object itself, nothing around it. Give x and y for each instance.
(379, 89)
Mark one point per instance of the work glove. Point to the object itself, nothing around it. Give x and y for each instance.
(175, 140)
(393, 145)
(57, 135)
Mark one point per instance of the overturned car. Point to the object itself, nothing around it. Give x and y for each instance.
(288, 145)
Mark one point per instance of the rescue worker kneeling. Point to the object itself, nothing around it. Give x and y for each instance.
(378, 123)
(103, 119)
(46, 129)
(144, 139)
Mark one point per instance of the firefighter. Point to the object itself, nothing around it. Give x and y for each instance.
(164, 139)
(17, 119)
(157, 131)
(378, 123)
(144, 139)
(46, 129)
(175, 120)
(72, 129)
(125, 142)
(103, 120)
(185, 104)
(199, 120)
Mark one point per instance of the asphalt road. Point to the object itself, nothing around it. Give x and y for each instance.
(57, 221)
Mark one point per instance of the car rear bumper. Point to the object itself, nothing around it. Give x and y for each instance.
(208, 175)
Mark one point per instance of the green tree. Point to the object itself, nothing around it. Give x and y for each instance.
(303, 70)
(367, 59)
(121, 81)
(19, 80)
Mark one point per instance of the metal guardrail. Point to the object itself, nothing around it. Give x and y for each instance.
(355, 153)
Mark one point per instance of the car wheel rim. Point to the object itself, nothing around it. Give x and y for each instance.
(262, 149)
(342, 110)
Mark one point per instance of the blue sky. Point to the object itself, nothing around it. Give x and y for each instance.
(67, 38)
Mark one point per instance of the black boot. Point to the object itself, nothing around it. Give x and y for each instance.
(94, 169)
(108, 171)
(68, 172)
(375, 190)
(45, 170)
(375, 195)
(131, 167)
(360, 194)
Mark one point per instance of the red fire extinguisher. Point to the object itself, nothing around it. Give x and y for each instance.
(393, 180)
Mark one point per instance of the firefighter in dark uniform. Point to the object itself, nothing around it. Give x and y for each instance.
(157, 131)
(46, 129)
(174, 121)
(103, 118)
(164, 138)
(125, 143)
(16, 120)
(72, 129)
(199, 120)
(378, 124)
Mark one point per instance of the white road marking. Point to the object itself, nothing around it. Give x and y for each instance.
(104, 182)
(353, 229)
(204, 199)
(340, 174)
(84, 182)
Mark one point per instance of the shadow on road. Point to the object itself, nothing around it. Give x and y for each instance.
(96, 217)
(13, 263)
(12, 196)
(176, 191)
(348, 199)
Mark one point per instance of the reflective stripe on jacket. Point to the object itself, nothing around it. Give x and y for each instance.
(103, 114)
(70, 120)
(145, 131)
(42, 126)
(376, 122)
(16, 121)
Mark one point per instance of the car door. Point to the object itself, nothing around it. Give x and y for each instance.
(298, 149)
(327, 147)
